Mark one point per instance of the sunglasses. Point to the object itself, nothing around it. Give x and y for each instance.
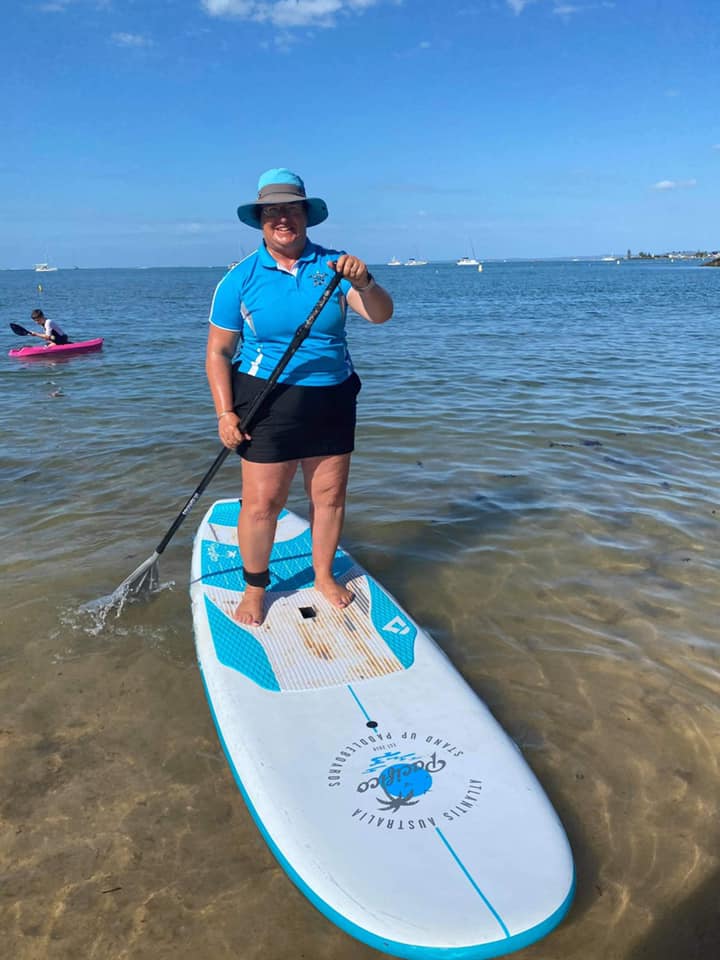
(277, 211)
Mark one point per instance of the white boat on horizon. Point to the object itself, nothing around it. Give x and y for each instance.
(412, 262)
(394, 262)
(44, 268)
(468, 261)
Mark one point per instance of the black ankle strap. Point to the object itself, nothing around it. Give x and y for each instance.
(256, 579)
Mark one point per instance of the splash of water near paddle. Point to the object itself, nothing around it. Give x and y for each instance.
(103, 608)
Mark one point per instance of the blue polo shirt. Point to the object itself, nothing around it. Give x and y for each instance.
(266, 305)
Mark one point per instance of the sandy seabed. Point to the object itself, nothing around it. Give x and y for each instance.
(124, 836)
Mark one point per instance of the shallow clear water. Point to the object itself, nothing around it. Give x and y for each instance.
(536, 480)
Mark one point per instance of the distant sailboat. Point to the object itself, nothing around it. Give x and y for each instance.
(394, 262)
(44, 268)
(412, 262)
(468, 261)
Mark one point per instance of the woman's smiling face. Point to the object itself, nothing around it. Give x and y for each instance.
(284, 227)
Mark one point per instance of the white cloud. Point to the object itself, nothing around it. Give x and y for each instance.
(562, 8)
(517, 6)
(60, 6)
(673, 184)
(229, 8)
(287, 13)
(131, 40)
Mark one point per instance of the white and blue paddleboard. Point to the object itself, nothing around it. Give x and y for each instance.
(383, 785)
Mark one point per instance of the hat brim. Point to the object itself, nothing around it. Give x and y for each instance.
(316, 208)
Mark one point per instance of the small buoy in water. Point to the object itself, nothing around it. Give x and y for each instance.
(479, 268)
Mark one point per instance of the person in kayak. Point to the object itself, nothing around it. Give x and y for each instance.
(309, 418)
(53, 332)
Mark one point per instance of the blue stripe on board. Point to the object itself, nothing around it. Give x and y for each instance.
(357, 701)
(409, 951)
(474, 885)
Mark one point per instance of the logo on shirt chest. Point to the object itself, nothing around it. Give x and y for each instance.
(318, 278)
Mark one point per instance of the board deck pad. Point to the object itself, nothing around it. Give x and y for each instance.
(382, 783)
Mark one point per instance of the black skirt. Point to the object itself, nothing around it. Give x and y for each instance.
(297, 422)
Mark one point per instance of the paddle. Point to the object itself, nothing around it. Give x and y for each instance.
(21, 331)
(145, 577)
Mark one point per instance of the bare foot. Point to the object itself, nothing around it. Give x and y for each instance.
(251, 609)
(334, 592)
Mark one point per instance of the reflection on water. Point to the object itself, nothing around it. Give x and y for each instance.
(535, 480)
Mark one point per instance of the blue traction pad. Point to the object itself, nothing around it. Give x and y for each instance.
(226, 513)
(239, 649)
(290, 565)
(291, 569)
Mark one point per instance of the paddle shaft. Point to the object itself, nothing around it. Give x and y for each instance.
(300, 334)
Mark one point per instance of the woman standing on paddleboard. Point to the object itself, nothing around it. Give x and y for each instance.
(309, 417)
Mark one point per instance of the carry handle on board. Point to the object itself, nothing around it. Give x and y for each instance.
(146, 575)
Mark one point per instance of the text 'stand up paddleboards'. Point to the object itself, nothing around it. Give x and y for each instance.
(57, 349)
(383, 785)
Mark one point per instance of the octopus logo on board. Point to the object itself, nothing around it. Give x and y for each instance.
(410, 782)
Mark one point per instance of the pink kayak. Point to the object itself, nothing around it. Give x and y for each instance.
(82, 346)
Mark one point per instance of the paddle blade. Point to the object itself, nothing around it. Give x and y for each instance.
(142, 581)
(20, 331)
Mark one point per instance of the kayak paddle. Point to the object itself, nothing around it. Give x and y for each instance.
(20, 331)
(145, 578)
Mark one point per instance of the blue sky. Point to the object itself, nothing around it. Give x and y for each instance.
(131, 129)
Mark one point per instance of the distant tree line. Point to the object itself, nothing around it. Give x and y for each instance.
(675, 254)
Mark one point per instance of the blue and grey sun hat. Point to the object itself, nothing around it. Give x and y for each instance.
(281, 186)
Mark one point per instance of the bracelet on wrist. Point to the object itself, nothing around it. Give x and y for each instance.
(224, 414)
(369, 285)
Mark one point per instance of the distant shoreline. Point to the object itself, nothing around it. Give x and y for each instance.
(710, 259)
